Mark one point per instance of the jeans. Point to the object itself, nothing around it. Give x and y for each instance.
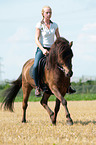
(38, 56)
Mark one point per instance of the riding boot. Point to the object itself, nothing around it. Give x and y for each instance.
(37, 92)
(70, 90)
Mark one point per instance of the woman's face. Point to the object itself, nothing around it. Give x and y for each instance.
(47, 13)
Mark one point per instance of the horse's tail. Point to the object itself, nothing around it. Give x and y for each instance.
(11, 93)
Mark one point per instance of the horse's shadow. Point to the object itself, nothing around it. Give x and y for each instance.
(85, 122)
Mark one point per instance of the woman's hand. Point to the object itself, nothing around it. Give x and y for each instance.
(45, 51)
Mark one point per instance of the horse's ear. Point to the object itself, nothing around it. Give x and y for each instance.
(70, 43)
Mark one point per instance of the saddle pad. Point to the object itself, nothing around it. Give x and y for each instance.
(41, 67)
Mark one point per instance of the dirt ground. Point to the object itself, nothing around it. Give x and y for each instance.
(39, 131)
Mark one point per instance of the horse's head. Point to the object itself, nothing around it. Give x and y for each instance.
(66, 66)
(65, 55)
(60, 55)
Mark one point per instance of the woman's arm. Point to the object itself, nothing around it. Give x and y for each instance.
(37, 35)
(57, 33)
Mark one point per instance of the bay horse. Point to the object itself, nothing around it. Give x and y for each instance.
(57, 73)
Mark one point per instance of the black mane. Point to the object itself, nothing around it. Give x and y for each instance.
(59, 48)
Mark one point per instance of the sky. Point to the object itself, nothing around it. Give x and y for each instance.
(76, 20)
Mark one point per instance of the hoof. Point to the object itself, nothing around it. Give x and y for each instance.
(69, 122)
(53, 121)
(23, 121)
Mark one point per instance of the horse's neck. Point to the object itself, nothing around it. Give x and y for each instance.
(51, 60)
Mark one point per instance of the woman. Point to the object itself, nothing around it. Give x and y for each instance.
(46, 30)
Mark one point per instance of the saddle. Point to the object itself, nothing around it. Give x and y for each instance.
(44, 87)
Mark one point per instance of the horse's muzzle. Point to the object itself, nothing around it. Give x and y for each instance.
(69, 74)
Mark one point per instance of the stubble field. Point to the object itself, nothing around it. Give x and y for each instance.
(39, 131)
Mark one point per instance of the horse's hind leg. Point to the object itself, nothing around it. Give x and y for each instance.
(26, 92)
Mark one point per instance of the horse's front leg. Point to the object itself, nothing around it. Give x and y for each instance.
(54, 115)
(44, 101)
(57, 93)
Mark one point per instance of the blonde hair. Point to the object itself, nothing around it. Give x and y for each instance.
(44, 8)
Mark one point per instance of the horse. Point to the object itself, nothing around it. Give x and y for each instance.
(57, 73)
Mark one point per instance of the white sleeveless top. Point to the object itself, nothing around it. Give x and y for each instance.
(47, 35)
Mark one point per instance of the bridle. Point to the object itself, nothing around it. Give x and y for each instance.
(61, 68)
